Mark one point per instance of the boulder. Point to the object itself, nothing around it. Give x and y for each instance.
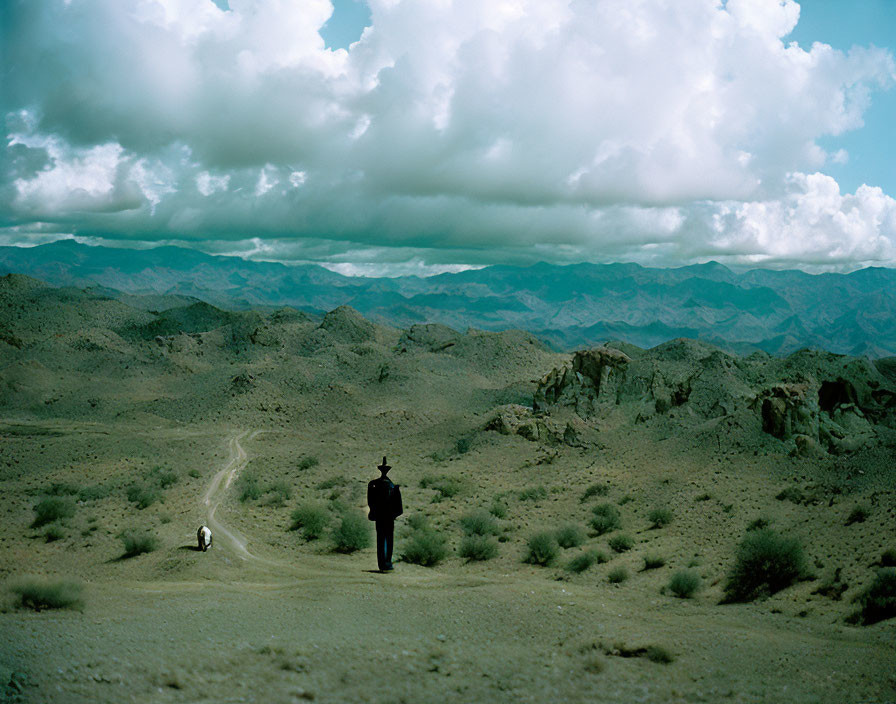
(514, 419)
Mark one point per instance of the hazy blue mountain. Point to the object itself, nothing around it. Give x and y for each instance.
(570, 306)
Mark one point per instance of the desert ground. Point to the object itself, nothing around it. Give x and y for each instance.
(153, 423)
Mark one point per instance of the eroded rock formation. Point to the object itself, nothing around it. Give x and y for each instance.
(812, 402)
(589, 378)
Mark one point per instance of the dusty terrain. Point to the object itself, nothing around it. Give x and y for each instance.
(98, 397)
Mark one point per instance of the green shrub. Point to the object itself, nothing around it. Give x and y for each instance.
(195, 473)
(53, 508)
(94, 492)
(54, 533)
(278, 493)
(352, 533)
(605, 519)
(332, 482)
(533, 493)
(878, 602)
(143, 494)
(621, 542)
(653, 562)
(792, 494)
(40, 594)
(163, 478)
(570, 535)
(446, 486)
(657, 653)
(478, 548)
(703, 497)
(462, 446)
(888, 558)
(311, 519)
(336, 505)
(766, 562)
(595, 490)
(479, 522)
(424, 545)
(684, 584)
(758, 523)
(584, 560)
(417, 521)
(498, 509)
(541, 549)
(308, 461)
(859, 514)
(617, 575)
(627, 499)
(137, 542)
(248, 488)
(660, 517)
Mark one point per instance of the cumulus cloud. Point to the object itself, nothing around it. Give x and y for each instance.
(649, 130)
(813, 223)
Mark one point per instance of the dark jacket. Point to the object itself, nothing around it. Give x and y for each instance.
(384, 500)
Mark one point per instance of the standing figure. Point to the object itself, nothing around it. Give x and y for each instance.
(384, 501)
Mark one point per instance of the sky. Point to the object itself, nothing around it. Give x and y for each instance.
(397, 136)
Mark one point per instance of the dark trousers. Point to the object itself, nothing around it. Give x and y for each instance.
(384, 531)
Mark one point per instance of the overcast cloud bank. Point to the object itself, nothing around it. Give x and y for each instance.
(452, 133)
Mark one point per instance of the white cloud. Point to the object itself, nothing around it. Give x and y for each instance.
(91, 179)
(266, 181)
(207, 184)
(648, 129)
(813, 223)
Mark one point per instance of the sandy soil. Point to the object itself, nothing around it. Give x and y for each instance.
(253, 621)
(102, 407)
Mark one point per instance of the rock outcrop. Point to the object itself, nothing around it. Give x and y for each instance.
(789, 409)
(812, 402)
(514, 419)
(588, 379)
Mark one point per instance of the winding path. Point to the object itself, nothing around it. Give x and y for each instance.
(234, 541)
(215, 494)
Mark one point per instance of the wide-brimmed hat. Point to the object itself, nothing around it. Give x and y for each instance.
(384, 465)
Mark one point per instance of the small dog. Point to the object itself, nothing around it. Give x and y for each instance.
(204, 536)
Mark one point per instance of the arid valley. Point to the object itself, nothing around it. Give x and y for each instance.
(573, 526)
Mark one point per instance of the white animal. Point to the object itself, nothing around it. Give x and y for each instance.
(204, 536)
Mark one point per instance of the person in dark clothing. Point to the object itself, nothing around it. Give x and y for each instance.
(384, 501)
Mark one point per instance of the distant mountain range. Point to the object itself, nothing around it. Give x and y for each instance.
(568, 306)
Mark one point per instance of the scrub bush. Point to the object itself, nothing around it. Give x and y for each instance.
(765, 563)
(352, 533)
(541, 549)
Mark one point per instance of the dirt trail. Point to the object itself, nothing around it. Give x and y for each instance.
(215, 494)
(312, 567)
